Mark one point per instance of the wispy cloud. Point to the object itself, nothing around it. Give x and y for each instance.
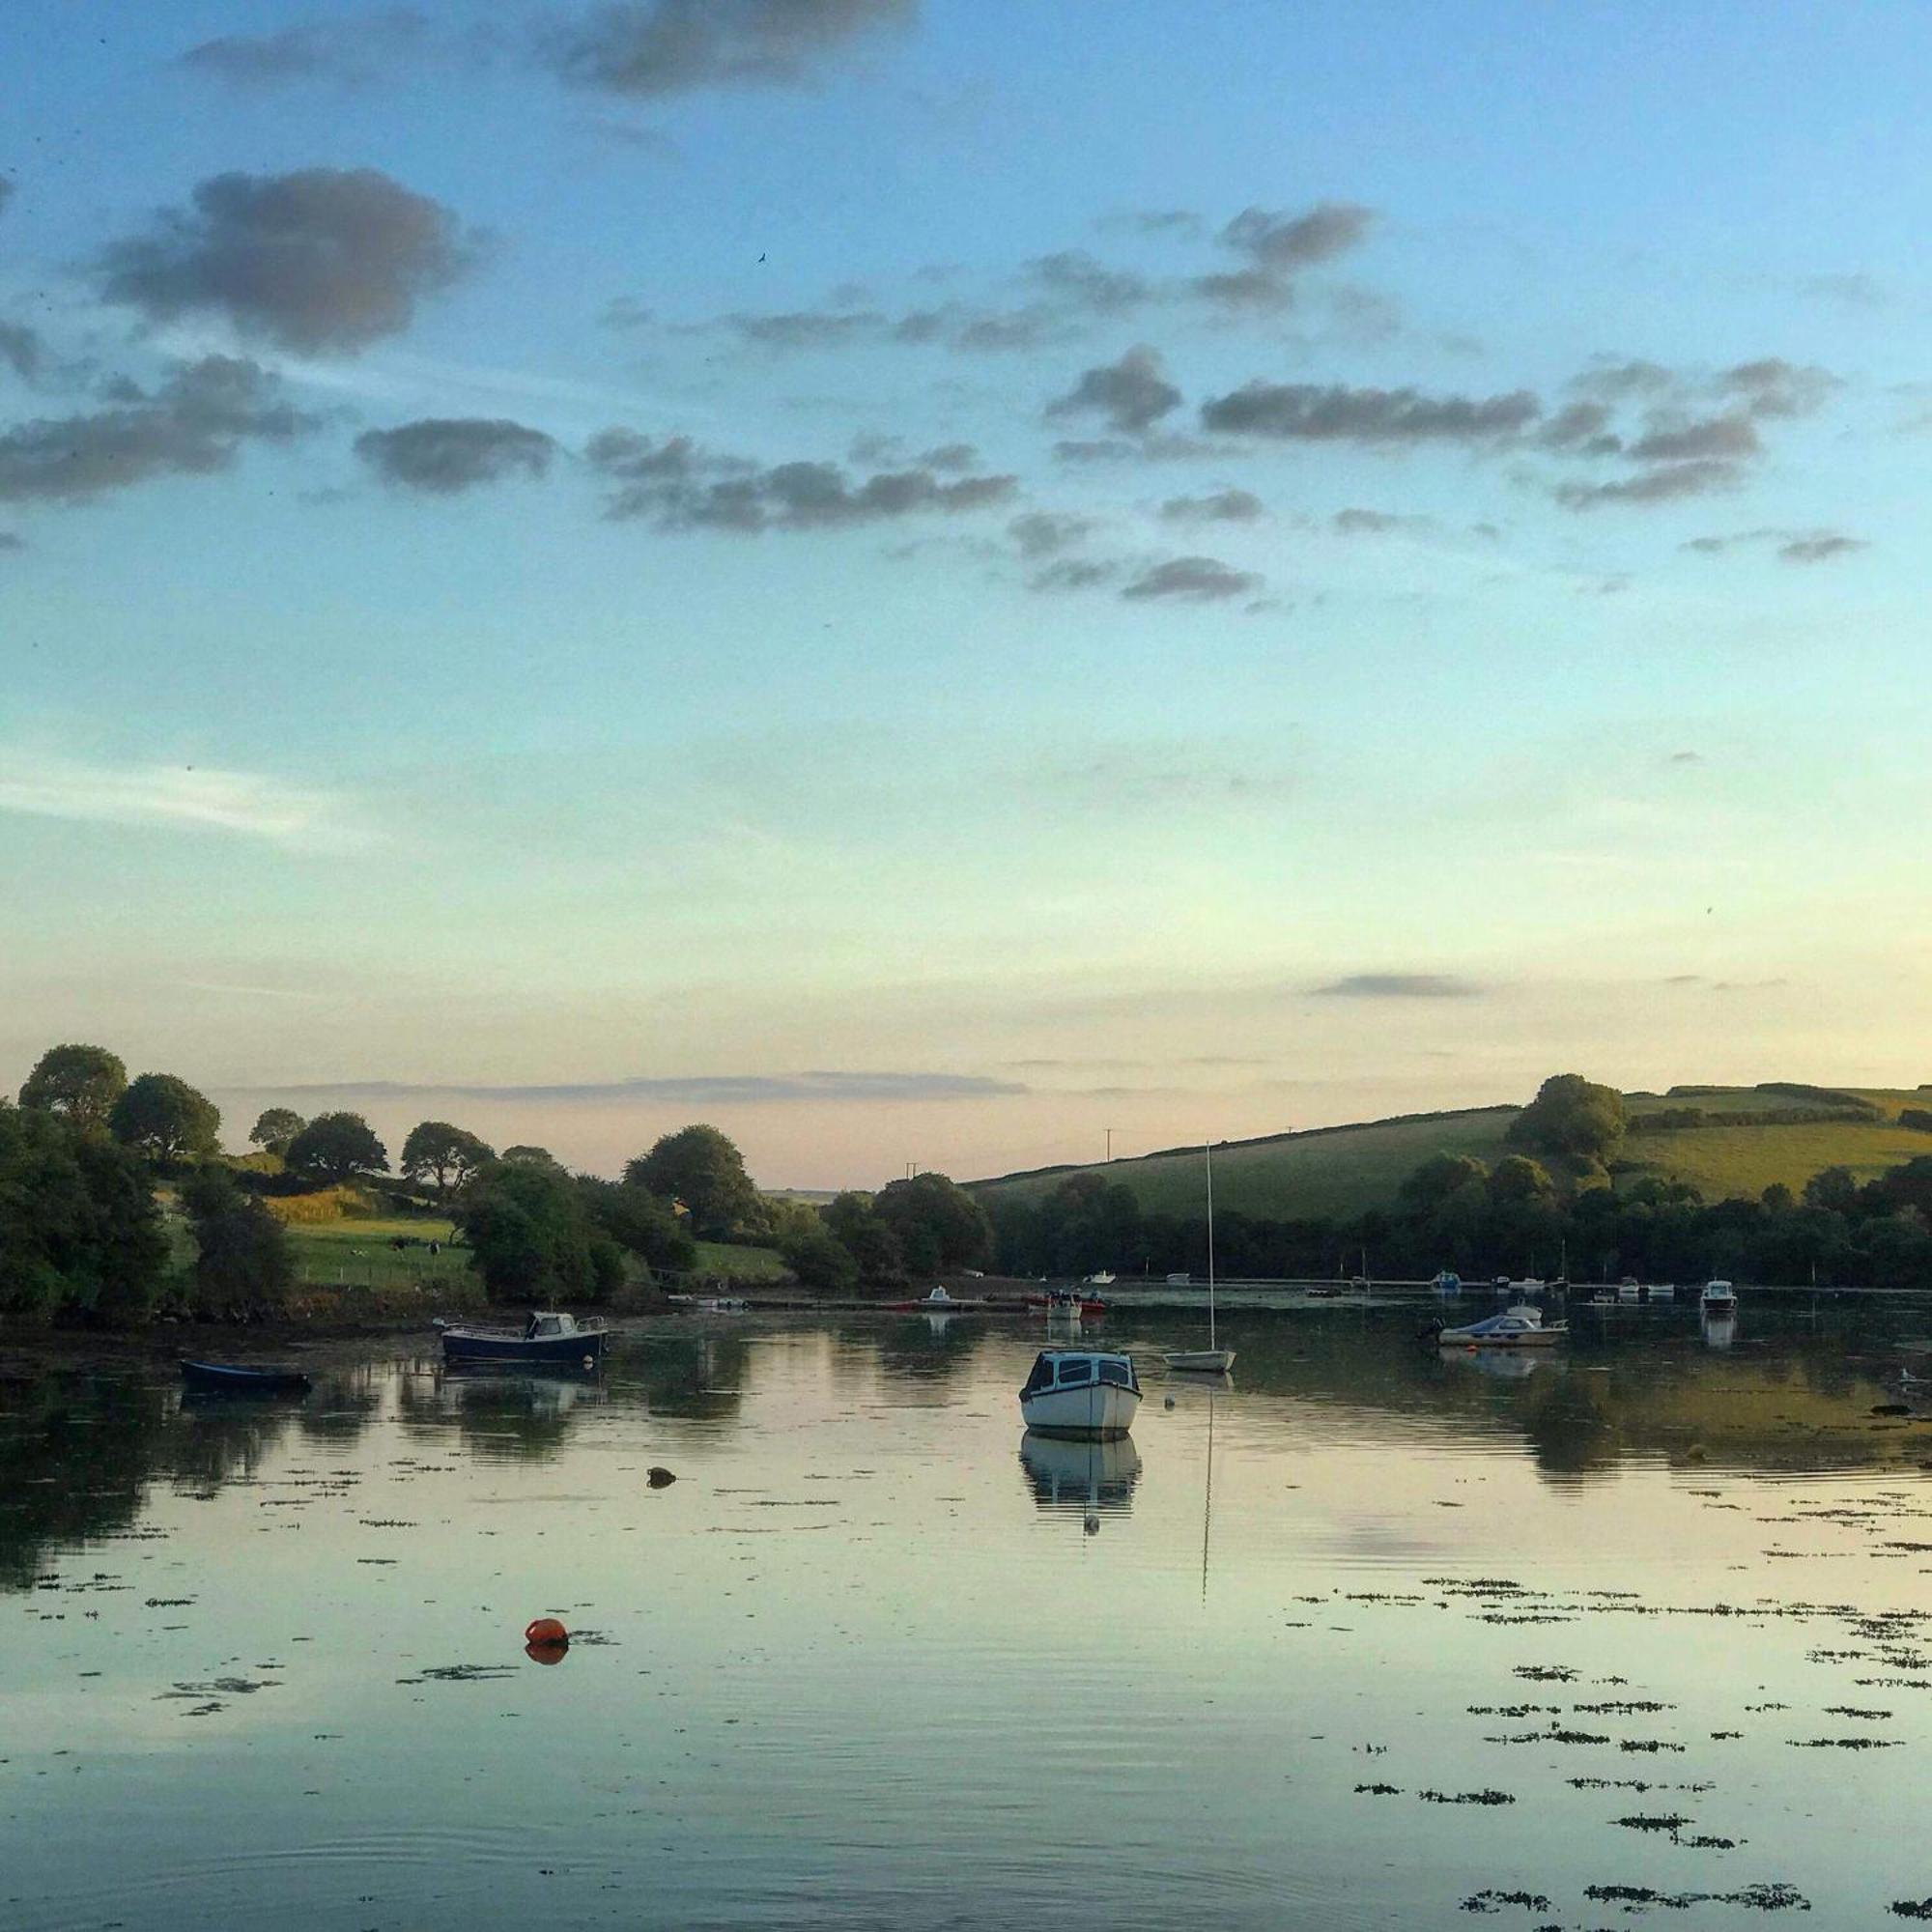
(179, 798)
(690, 1089)
(1399, 987)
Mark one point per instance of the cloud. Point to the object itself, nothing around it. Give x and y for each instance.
(1221, 506)
(679, 486)
(1352, 522)
(20, 350)
(649, 47)
(1180, 222)
(694, 1090)
(1277, 247)
(1335, 413)
(321, 261)
(1132, 394)
(1582, 428)
(194, 424)
(443, 454)
(1612, 380)
(1852, 291)
(1685, 758)
(1793, 546)
(1772, 387)
(7, 188)
(1074, 277)
(1072, 573)
(10, 544)
(1662, 485)
(1399, 987)
(1726, 439)
(178, 798)
(351, 51)
(1196, 579)
(1047, 532)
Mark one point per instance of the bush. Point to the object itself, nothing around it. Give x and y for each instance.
(244, 1263)
(820, 1260)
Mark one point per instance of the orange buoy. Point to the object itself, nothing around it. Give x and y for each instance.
(546, 1632)
(546, 1653)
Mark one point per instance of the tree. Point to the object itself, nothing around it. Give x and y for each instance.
(80, 1235)
(79, 1083)
(277, 1127)
(938, 1224)
(244, 1263)
(1439, 1177)
(855, 1223)
(523, 1156)
(165, 1119)
(1834, 1189)
(336, 1148)
(1571, 1117)
(434, 1150)
(532, 1237)
(1778, 1199)
(639, 1222)
(820, 1260)
(1515, 1180)
(703, 1168)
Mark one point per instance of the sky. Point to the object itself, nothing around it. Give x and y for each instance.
(930, 580)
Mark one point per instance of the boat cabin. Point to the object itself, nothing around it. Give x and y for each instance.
(547, 1324)
(1074, 1368)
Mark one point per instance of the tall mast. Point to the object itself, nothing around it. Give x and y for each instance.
(1207, 1148)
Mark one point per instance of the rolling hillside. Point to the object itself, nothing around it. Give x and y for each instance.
(1332, 1173)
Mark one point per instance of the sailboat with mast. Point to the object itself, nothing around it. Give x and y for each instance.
(1212, 1360)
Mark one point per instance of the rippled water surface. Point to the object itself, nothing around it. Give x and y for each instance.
(1368, 1637)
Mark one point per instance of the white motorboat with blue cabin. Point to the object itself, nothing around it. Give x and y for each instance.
(1081, 1392)
(1520, 1328)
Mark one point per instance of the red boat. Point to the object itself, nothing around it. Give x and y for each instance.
(1063, 1301)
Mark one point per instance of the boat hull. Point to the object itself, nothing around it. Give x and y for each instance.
(552, 1351)
(1536, 1338)
(1100, 1410)
(1202, 1361)
(232, 1378)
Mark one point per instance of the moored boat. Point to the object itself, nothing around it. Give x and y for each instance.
(1520, 1328)
(1718, 1298)
(549, 1339)
(1081, 1392)
(242, 1378)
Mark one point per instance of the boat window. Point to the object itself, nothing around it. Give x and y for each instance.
(1041, 1376)
(1072, 1373)
(1117, 1372)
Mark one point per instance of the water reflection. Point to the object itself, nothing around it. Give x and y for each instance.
(1080, 1477)
(1720, 1332)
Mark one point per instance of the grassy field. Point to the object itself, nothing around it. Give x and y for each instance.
(740, 1264)
(358, 1252)
(1342, 1171)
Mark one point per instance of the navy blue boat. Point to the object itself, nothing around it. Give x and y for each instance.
(547, 1340)
(238, 1378)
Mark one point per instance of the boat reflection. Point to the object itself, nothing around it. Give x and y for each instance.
(1090, 1476)
(1720, 1332)
(1507, 1365)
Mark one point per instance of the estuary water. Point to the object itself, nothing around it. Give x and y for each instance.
(1368, 1636)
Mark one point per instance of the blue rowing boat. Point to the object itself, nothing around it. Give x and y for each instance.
(240, 1378)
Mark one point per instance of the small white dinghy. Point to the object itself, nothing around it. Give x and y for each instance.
(1522, 1327)
(1212, 1360)
(1081, 1392)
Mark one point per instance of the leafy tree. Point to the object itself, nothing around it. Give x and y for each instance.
(938, 1224)
(80, 1083)
(80, 1235)
(820, 1260)
(336, 1148)
(277, 1127)
(1439, 1177)
(1517, 1180)
(243, 1262)
(703, 1168)
(165, 1119)
(1573, 1119)
(1778, 1199)
(532, 1237)
(523, 1156)
(639, 1222)
(434, 1150)
(859, 1230)
(1833, 1188)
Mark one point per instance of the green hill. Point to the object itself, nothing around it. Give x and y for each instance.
(1337, 1172)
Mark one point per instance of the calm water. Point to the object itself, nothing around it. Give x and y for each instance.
(1361, 1638)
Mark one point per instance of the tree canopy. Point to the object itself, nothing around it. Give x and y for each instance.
(703, 1169)
(78, 1082)
(336, 1148)
(1573, 1119)
(449, 1155)
(532, 1237)
(638, 1221)
(276, 1128)
(165, 1119)
(80, 1235)
(243, 1262)
(938, 1224)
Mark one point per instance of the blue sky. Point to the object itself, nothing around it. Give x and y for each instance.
(1190, 569)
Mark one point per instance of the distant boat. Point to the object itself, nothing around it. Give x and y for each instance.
(1212, 1360)
(1447, 1281)
(1101, 1279)
(1520, 1328)
(1718, 1298)
(1080, 1392)
(549, 1339)
(240, 1378)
